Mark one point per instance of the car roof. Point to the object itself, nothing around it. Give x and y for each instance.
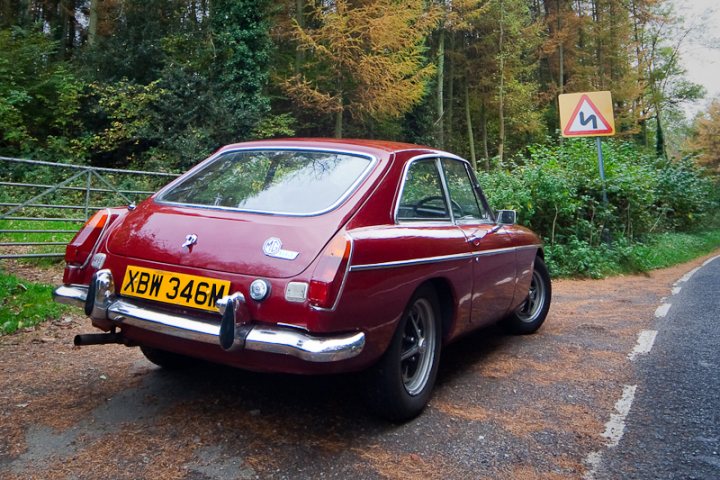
(376, 148)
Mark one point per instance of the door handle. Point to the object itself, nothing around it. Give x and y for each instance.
(475, 239)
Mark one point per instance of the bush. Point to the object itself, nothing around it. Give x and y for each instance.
(557, 192)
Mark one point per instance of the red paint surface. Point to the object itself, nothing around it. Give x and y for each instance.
(479, 290)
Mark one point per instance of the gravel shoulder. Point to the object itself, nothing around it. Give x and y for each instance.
(505, 407)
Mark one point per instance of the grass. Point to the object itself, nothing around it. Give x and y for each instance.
(668, 249)
(37, 225)
(24, 304)
(18, 237)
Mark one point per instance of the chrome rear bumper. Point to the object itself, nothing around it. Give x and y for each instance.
(105, 305)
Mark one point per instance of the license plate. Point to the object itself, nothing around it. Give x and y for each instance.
(176, 288)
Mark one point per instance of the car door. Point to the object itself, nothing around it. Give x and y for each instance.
(426, 233)
(494, 264)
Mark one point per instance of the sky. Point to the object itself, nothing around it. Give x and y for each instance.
(701, 62)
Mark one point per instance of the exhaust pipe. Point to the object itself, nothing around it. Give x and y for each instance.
(99, 339)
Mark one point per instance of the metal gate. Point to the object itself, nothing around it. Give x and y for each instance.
(42, 203)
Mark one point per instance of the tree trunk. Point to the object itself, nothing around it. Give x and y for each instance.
(468, 120)
(640, 62)
(501, 94)
(660, 136)
(561, 54)
(561, 67)
(93, 22)
(339, 121)
(599, 48)
(300, 19)
(66, 20)
(483, 123)
(9, 15)
(451, 91)
(440, 123)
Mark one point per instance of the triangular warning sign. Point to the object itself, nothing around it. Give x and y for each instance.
(587, 120)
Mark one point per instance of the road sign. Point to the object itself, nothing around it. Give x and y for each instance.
(587, 114)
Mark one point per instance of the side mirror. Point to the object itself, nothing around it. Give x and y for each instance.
(506, 217)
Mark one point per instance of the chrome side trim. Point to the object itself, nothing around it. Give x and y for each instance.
(275, 339)
(495, 251)
(410, 262)
(443, 258)
(528, 247)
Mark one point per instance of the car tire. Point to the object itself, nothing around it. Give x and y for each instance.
(400, 384)
(168, 360)
(529, 316)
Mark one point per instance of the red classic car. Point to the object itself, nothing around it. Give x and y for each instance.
(310, 256)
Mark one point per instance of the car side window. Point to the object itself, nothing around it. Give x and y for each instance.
(422, 194)
(465, 203)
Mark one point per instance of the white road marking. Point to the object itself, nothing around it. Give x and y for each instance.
(615, 427)
(662, 310)
(593, 461)
(710, 260)
(644, 344)
(614, 430)
(688, 275)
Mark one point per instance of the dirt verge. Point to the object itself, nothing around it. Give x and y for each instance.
(505, 407)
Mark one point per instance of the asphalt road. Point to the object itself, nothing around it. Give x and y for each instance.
(673, 427)
(542, 406)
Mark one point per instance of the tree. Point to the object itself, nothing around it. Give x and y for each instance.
(239, 71)
(366, 61)
(39, 97)
(500, 66)
(659, 35)
(705, 143)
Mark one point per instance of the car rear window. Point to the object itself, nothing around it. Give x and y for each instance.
(272, 181)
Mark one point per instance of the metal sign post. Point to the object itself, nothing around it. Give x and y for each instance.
(605, 234)
(601, 167)
(589, 114)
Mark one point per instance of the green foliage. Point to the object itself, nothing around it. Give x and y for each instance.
(160, 84)
(39, 98)
(130, 42)
(240, 70)
(122, 114)
(275, 126)
(667, 249)
(365, 61)
(213, 88)
(558, 193)
(24, 304)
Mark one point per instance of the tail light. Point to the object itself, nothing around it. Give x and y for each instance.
(330, 272)
(80, 248)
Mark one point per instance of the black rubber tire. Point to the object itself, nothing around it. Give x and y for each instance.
(168, 360)
(389, 392)
(529, 317)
